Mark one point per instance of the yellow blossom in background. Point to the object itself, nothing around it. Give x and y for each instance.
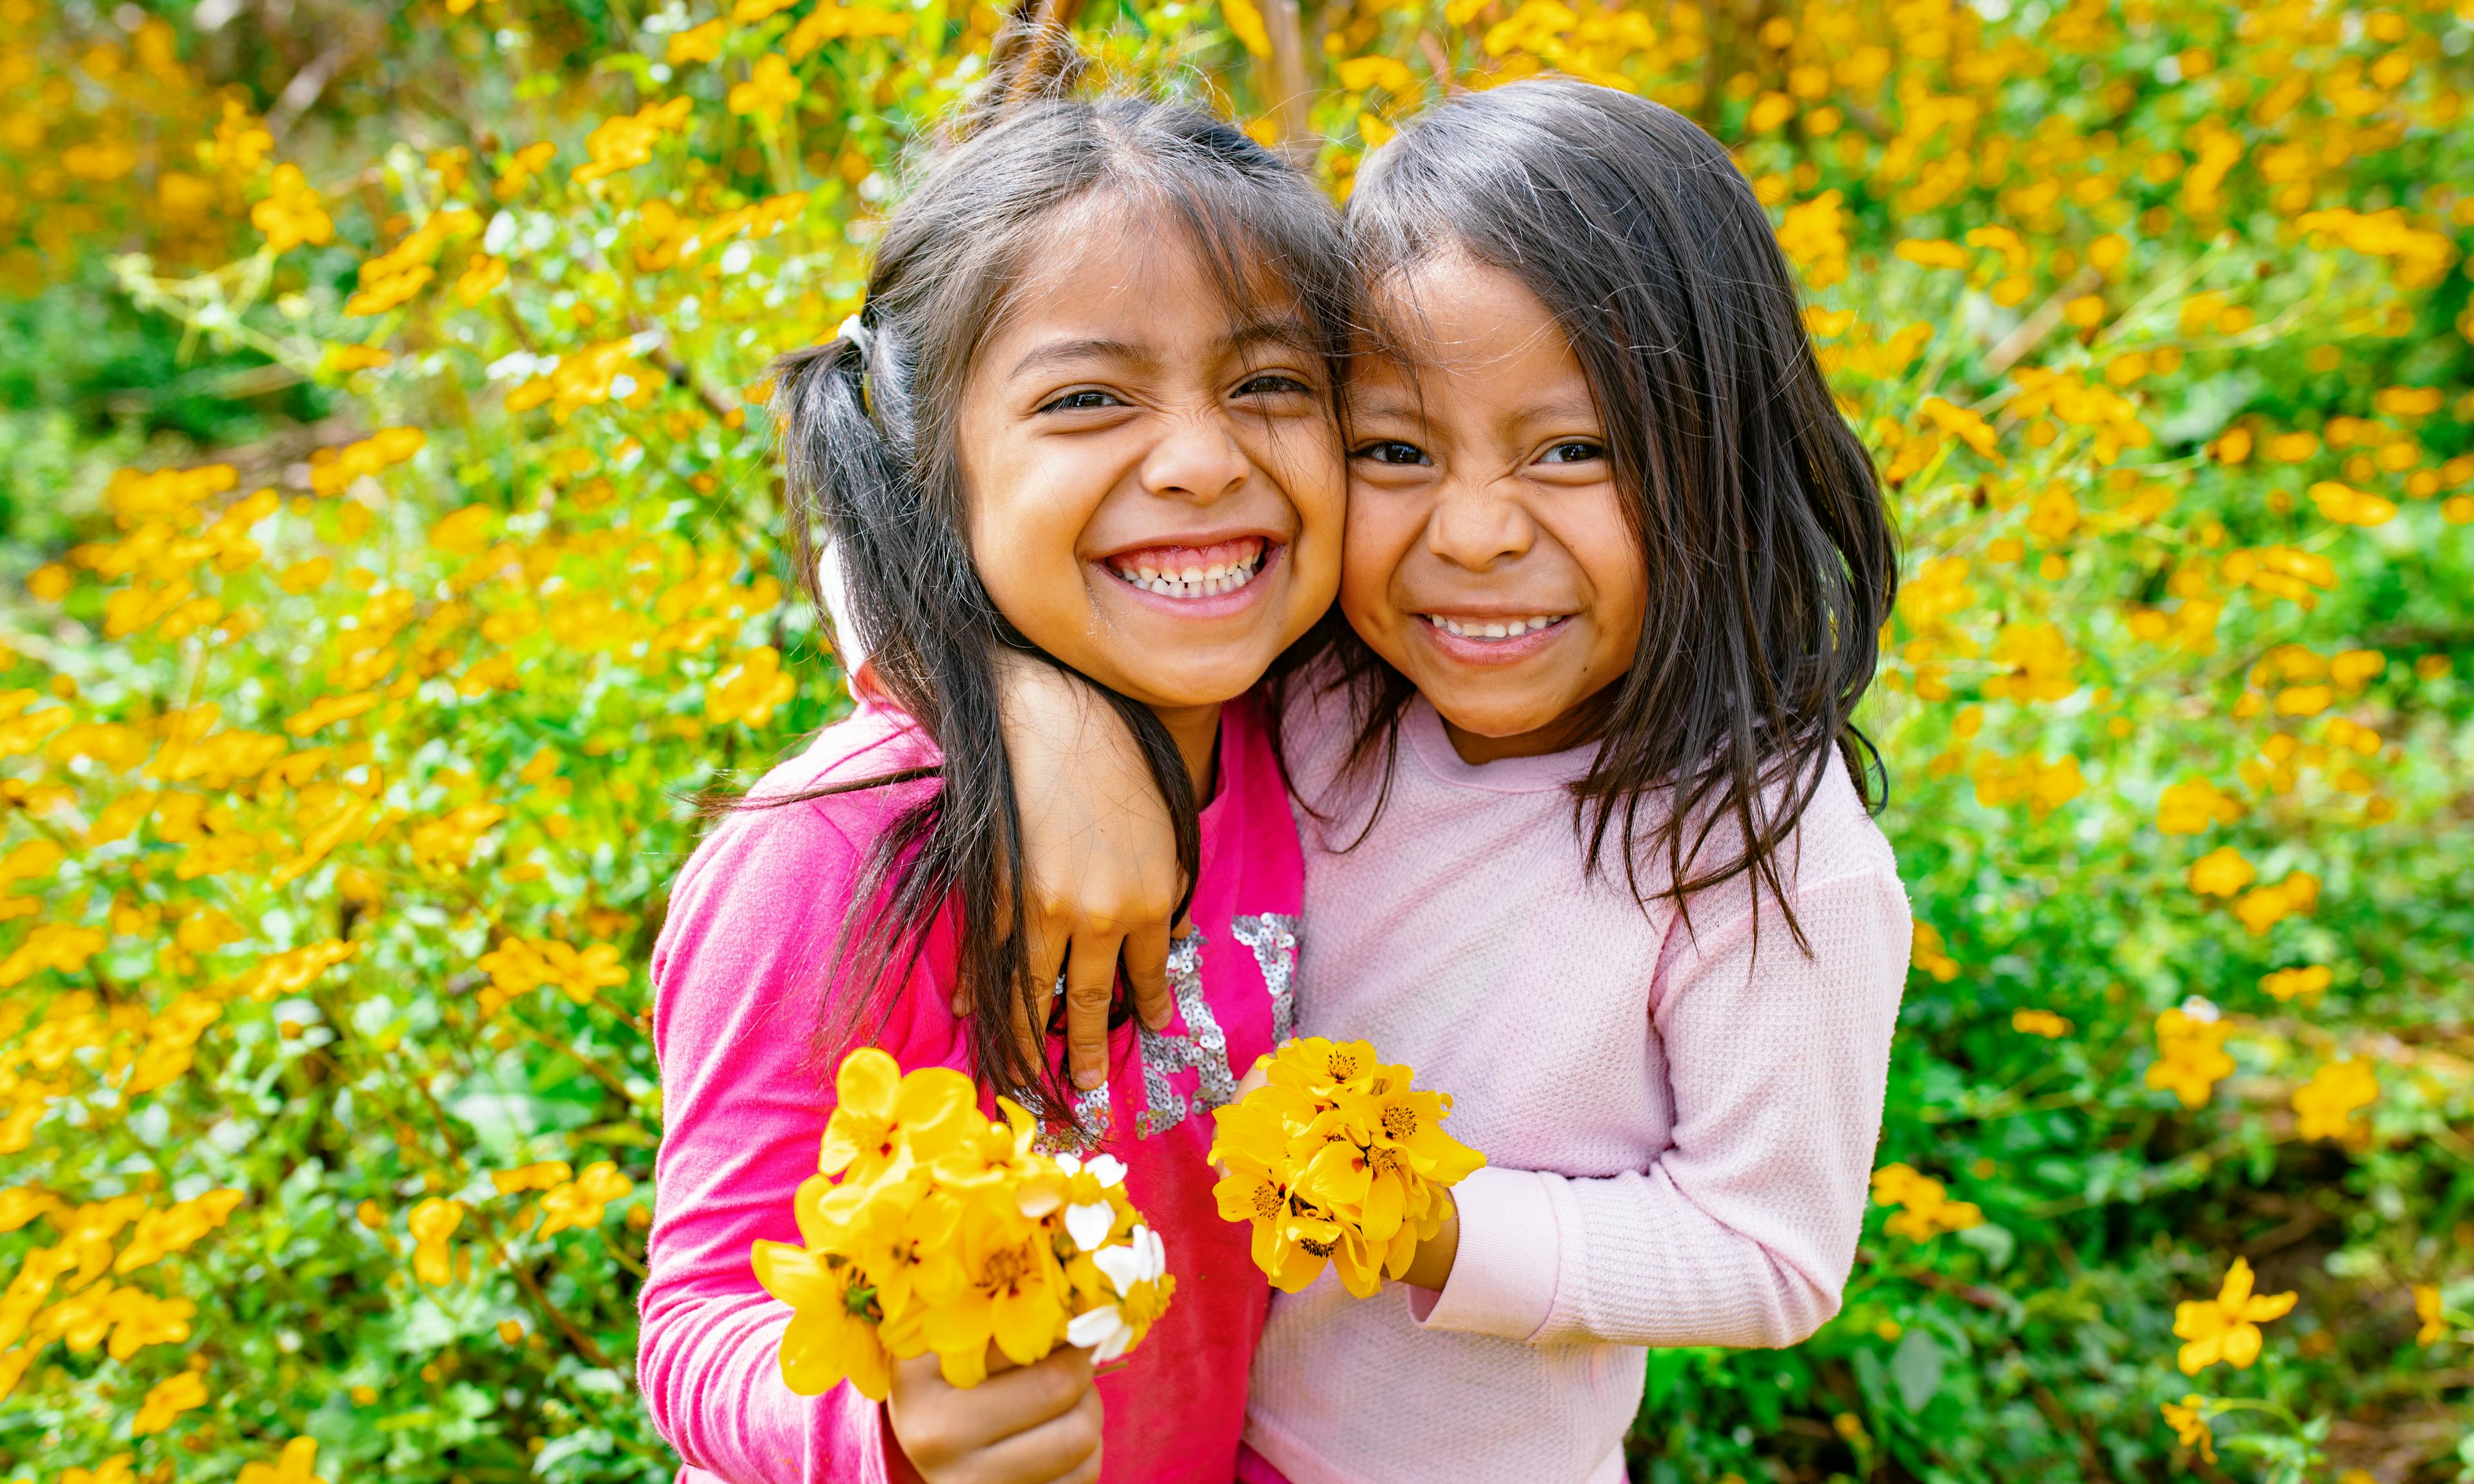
(2287, 983)
(2222, 872)
(2190, 806)
(769, 88)
(581, 1201)
(2226, 1327)
(2189, 1420)
(297, 1464)
(749, 689)
(2190, 1057)
(432, 1223)
(166, 1400)
(2039, 1022)
(2325, 1106)
(291, 214)
(696, 43)
(2263, 908)
(1931, 953)
(2434, 1320)
(1926, 1210)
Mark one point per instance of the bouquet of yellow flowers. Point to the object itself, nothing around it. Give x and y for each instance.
(1337, 1159)
(931, 1228)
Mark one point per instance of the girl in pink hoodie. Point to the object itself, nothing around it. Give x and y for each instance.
(1085, 419)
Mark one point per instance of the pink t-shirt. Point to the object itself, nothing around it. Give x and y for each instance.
(738, 974)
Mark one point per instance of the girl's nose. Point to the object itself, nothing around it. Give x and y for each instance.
(1475, 525)
(1199, 461)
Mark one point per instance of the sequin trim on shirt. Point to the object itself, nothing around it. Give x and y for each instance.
(1200, 1046)
(1091, 1110)
(1273, 937)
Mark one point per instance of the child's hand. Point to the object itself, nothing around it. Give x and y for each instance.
(1100, 857)
(1037, 1424)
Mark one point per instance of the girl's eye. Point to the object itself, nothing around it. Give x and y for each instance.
(1390, 450)
(1082, 402)
(1576, 451)
(1272, 384)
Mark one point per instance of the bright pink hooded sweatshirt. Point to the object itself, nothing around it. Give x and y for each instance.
(739, 977)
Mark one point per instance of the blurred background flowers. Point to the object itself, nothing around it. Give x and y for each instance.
(387, 548)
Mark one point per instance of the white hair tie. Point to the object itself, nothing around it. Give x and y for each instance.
(861, 338)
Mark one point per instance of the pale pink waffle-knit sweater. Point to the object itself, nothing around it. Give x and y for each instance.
(1679, 1129)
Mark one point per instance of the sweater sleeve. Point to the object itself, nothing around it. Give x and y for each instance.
(738, 979)
(1743, 1232)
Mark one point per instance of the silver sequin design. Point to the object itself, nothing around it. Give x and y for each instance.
(1273, 937)
(1091, 1111)
(1201, 1047)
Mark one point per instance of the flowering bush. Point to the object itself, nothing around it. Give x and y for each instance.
(388, 549)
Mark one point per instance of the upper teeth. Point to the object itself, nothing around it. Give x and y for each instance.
(1491, 628)
(1193, 582)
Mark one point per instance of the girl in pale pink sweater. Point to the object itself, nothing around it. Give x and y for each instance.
(1587, 838)
(1086, 416)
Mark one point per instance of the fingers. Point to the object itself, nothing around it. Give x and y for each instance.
(1063, 1447)
(1090, 984)
(1036, 1423)
(1146, 955)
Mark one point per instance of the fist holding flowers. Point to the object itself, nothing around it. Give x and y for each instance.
(1337, 1159)
(930, 1228)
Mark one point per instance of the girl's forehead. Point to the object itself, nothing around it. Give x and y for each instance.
(1118, 260)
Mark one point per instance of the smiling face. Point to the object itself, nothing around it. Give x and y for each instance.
(1489, 556)
(1154, 476)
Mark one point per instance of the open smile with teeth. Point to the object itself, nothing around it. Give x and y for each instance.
(1484, 628)
(1192, 571)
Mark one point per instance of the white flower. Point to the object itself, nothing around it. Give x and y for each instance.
(2200, 1009)
(1104, 1331)
(1088, 1224)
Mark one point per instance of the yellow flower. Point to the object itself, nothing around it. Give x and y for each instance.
(2326, 1104)
(2039, 1022)
(166, 1400)
(2426, 1308)
(2226, 1327)
(1927, 1208)
(833, 1334)
(2287, 983)
(2189, 1420)
(297, 1464)
(697, 43)
(2190, 1058)
(1013, 1293)
(580, 1201)
(432, 1223)
(750, 688)
(1338, 1159)
(769, 88)
(2222, 872)
(881, 1116)
(581, 975)
(291, 213)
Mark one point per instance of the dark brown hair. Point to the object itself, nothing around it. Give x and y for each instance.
(871, 463)
(1771, 560)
